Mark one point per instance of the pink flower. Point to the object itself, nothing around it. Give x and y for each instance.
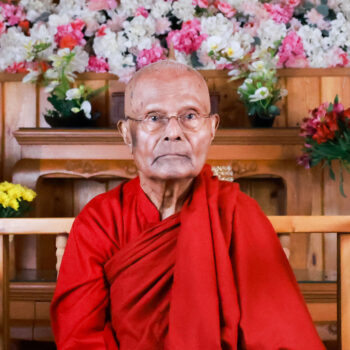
(147, 56)
(188, 39)
(12, 14)
(162, 25)
(97, 5)
(201, 3)
(337, 57)
(101, 31)
(97, 65)
(292, 3)
(2, 28)
(291, 53)
(225, 8)
(278, 13)
(70, 35)
(17, 67)
(116, 22)
(141, 11)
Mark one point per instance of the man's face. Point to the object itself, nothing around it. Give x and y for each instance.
(170, 153)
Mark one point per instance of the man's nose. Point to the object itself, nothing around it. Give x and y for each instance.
(173, 131)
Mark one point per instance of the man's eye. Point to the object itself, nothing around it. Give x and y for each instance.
(190, 116)
(154, 118)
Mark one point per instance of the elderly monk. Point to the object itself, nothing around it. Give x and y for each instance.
(176, 259)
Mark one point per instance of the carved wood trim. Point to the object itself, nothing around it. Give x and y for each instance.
(32, 291)
(210, 73)
(46, 136)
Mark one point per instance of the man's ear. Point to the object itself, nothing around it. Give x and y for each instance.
(124, 129)
(215, 120)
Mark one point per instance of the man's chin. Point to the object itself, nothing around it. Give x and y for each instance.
(172, 168)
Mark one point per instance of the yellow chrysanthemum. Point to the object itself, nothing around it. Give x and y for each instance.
(14, 204)
(4, 199)
(29, 195)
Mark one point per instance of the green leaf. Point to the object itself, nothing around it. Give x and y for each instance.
(336, 100)
(96, 92)
(331, 172)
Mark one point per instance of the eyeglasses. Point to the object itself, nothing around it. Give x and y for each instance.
(156, 121)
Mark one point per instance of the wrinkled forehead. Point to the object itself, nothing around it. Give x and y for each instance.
(167, 90)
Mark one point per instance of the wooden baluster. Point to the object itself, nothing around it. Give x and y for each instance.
(4, 293)
(61, 241)
(343, 291)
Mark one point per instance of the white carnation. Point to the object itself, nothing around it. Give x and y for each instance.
(13, 47)
(160, 9)
(269, 32)
(183, 9)
(139, 32)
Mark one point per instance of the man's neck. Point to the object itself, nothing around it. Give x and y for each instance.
(167, 195)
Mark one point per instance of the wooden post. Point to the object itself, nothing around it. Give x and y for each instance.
(343, 291)
(4, 293)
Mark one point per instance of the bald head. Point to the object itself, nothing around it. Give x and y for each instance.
(165, 72)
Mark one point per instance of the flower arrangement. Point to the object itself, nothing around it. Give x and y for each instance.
(121, 36)
(327, 138)
(260, 92)
(71, 105)
(14, 199)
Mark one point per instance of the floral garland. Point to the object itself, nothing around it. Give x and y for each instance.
(121, 37)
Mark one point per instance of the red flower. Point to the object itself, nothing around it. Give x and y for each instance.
(326, 129)
(68, 41)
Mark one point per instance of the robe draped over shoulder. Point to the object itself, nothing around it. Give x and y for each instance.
(213, 276)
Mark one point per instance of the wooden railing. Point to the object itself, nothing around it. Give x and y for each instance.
(282, 224)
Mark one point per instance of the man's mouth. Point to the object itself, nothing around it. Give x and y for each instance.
(170, 155)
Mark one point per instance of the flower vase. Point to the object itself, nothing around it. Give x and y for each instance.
(75, 120)
(258, 121)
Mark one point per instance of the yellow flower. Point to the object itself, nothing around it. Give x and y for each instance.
(14, 204)
(4, 199)
(29, 195)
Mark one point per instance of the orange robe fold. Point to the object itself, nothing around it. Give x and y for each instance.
(213, 276)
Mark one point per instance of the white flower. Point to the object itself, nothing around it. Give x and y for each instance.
(183, 9)
(139, 32)
(234, 50)
(269, 32)
(258, 66)
(31, 77)
(35, 8)
(260, 94)
(86, 107)
(160, 8)
(73, 94)
(13, 47)
(49, 88)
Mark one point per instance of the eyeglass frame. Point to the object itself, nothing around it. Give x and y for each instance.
(207, 116)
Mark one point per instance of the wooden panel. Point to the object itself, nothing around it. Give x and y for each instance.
(55, 199)
(114, 86)
(4, 293)
(22, 310)
(84, 191)
(42, 310)
(20, 111)
(2, 136)
(322, 312)
(114, 183)
(331, 86)
(303, 94)
(334, 204)
(344, 310)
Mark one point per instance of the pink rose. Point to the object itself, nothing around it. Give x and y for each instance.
(154, 54)
(97, 65)
(188, 39)
(70, 35)
(201, 3)
(225, 8)
(291, 53)
(278, 13)
(141, 11)
(97, 5)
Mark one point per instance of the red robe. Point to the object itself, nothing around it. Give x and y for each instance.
(213, 276)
